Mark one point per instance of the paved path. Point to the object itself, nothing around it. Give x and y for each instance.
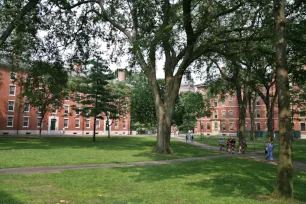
(249, 155)
(43, 169)
(255, 155)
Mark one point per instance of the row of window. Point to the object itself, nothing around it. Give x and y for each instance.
(231, 126)
(231, 102)
(26, 121)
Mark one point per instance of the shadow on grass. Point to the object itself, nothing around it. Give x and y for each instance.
(233, 178)
(6, 198)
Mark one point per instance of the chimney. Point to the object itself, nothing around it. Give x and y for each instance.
(121, 75)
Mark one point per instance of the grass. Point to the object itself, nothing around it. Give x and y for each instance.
(230, 180)
(48, 151)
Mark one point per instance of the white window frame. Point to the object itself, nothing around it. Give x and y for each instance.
(87, 120)
(257, 102)
(66, 125)
(223, 102)
(12, 85)
(231, 128)
(67, 109)
(98, 123)
(229, 114)
(231, 102)
(257, 111)
(78, 110)
(68, 95)
(223, 116)
(215, 114)
(29, 108)
(8, 106)
(257, 126)
(7, 121)
(38, 121)
(77, 119)
(301, 127)
(28, 118)
(216, 126)
(224, 126)
(116, 124)
(124, 124)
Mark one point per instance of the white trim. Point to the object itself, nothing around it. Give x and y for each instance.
(66, 105)
(28, 121)
(38, 119)
(8, 105)
(256, 125)
(229, 127)
(98, 121)
(77, 119)
(301, 126)
(56, 124)
(224, 111)
(88, 123)
(209, 126)
(229, 115)
(223, 123)
(28, 109)
(15, 77)
(10, 90)
(116, 124)
(12, 120)
(67, 122)
(214, 114)
(124, 123)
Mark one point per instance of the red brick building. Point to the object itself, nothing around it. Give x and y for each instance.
(225, 116)
(18, 118)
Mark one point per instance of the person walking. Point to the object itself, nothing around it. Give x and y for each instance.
(221, 144)
(228, 145)
(270, 150)
(233, 145)
(266, 151)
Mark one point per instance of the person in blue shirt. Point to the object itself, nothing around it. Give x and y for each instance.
(269, 149)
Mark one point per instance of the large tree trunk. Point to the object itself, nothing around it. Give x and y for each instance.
(252, 106)
(242, 115)
(284, 177)
(163, 134)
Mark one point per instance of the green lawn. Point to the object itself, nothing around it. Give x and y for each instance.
(230, 180)
(48, 151)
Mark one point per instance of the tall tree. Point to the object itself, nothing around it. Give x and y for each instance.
(44, 87)
(181, 32)
(96, 97)
(189, 108)
(284, 177)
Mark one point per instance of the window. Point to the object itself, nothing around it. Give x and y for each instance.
(215, 103)
(223, 114)
(124, 124)
(208, 126)
(77, 123)
(223, 102)
(12, 90)
(215, 114)
(66, 122)
(66, 109)
(257, 113)
(246, 126)
(257, 101)
(54, 109)
(11, 105)
(223, 126)
(257, 126)
(97, 123)
(216, 125)
(77, 110)
(231, 126)
(302, 113)
(230, 102)
(25, 122)
(38, 122)
(13, 76)
(10, 121)
(303, 128)
(26, 107)
(116, 124)
(87, 123)
(231, 114)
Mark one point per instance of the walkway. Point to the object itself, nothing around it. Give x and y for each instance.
(256, 156)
